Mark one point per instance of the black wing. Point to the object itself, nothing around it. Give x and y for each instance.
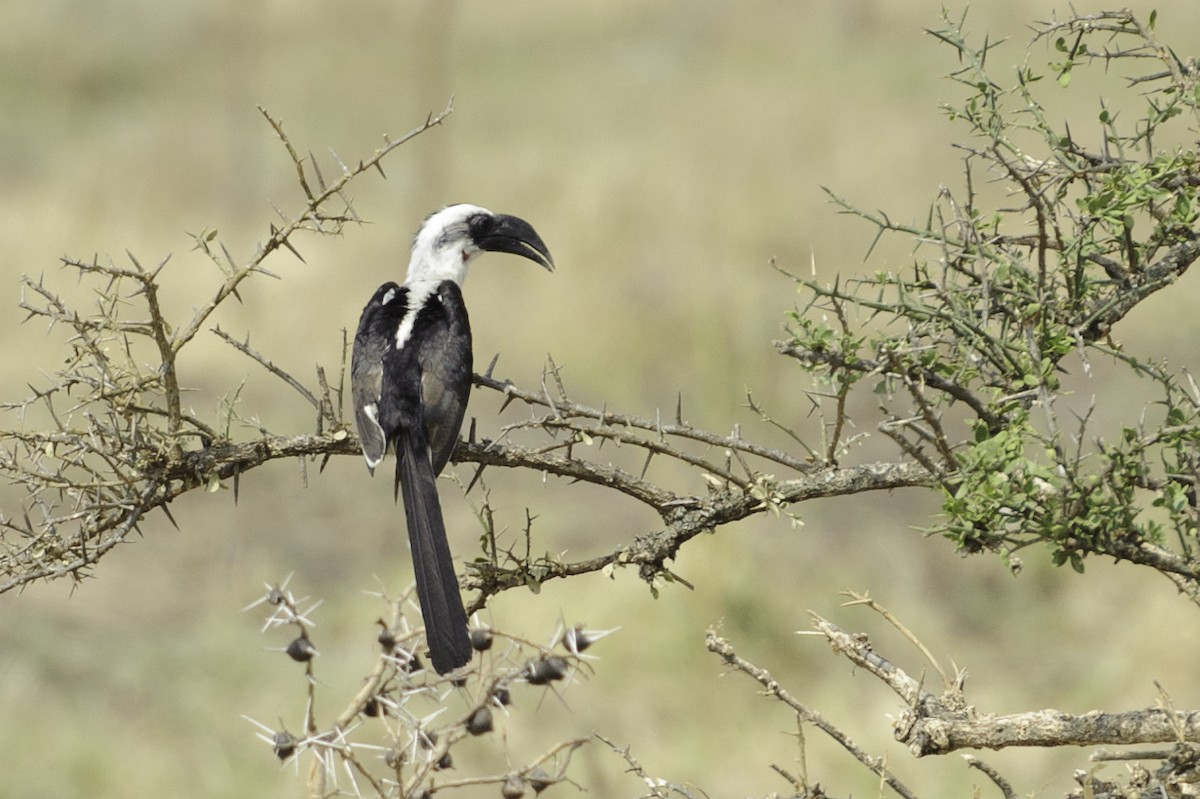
(376, 333)
(445, 359)
(411, 386)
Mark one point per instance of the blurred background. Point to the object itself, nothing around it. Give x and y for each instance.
(666, 153)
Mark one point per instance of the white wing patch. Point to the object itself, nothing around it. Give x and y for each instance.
(371, 411)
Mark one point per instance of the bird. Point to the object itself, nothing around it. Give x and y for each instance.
(410, 376)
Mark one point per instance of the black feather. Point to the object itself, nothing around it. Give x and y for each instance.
(437, 586)
(417, 392)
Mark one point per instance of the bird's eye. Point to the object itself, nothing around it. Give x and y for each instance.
(481, 224)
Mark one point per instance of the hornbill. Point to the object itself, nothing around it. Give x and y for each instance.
(410, 375)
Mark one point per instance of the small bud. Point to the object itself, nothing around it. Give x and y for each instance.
(373, 708)
(539, 780)
(301, 649)
(540, 672)
(481, 639)
(284, 744)
(576, 640)
(444, 762)
(427, 739)
(513, 788)
(502, 696)
(387, 638)
(394, 758)
(480, 721)
(412, 665)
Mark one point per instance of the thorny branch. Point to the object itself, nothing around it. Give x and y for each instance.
(940, 723)
(982, 332)
(119, 444)
(1000, 310)
(395, 734)
(771, 688)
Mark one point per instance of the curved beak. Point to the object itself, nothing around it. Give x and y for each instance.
(514, 235)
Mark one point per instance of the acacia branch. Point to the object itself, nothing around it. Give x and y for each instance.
(938, 724)
(564, 409)
(313, 212)
(771, 687)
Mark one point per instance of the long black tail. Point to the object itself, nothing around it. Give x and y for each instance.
(437, 586)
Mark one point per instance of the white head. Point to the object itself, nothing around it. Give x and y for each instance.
(451, 238)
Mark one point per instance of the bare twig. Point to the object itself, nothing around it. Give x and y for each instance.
(719, 646)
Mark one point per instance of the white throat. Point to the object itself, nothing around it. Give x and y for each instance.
(443, 248)
(432, 267)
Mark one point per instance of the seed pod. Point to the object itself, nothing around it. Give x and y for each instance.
(539, 780)
(576, 640)
(373, 707)
(386, 638)
(540, 672)
(513, 788)
(480, 721)
(301, 649)
(481, 639)
(412, 665)
(284, 744)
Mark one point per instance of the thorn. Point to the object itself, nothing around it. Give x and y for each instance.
(339, 160)
(474, 479)
(317, 171)
(555, 373)
(508, 397)
(228, 257)
(160, 266)
(471, 432)
(491, 366)
(646, 465)
(379, 167)
(679, 408)
(288, 244)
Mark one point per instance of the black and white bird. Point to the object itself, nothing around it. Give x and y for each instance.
(410, 376)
